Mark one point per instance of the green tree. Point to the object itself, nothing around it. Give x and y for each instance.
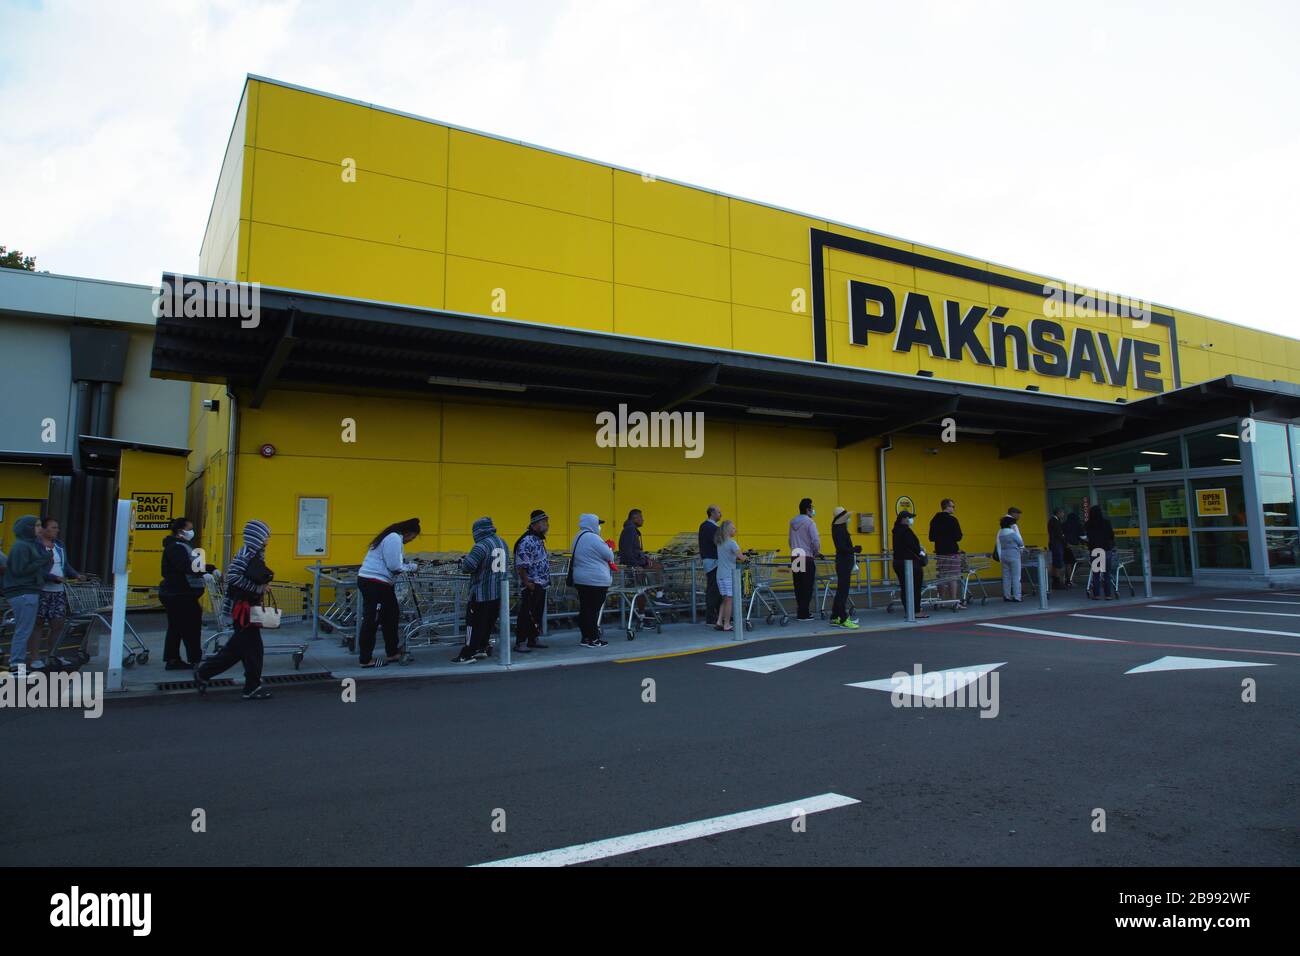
(16, 260)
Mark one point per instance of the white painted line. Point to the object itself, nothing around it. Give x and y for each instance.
(1222, 610)
(936, 685)
(1034, 630)
(1255, 601)
(681, 832)
(1203, 627)
(1190, 664)
(774, 662)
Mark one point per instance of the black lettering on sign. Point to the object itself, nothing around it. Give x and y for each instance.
(917, 308)
(1084, 357)
(1047, 337)
(963, 333)
(999, 334)
(1146, 357)
(1116, 368)
(861, 319)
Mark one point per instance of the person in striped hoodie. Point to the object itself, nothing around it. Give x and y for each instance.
(487, 565)
(247, 579)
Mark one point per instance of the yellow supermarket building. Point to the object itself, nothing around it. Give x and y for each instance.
(442, 314)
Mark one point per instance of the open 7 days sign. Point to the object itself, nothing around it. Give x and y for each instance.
(153, 510)
(949, 329)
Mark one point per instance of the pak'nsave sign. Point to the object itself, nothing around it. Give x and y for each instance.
(946, 328)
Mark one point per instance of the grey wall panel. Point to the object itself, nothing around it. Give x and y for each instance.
(35, 383)
(150, 410)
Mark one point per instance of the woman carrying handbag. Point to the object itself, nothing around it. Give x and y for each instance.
(246, 589)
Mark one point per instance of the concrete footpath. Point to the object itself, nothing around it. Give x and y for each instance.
(327, 658)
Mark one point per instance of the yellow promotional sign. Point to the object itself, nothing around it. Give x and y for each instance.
(155, 485)
(1211, 502)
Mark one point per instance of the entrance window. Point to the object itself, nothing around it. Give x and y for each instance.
(1150, 457)
(1219, 503)
(1222, 549)
(1277, 494)
(1216, 448)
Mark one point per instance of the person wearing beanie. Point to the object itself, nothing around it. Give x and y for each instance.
(247, 579)
(533, 565)
(1008, 547)
(486, 565)
(846, 559)
(907, 547)
(29, 562)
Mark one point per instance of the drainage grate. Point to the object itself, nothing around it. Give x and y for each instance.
(217, 682)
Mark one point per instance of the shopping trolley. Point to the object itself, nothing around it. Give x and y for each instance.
(216, 589)
(432, 602)
(972, 568)
(1123, 558)
(931, 599)
(643, 602)
(91, 601)
(763, 573)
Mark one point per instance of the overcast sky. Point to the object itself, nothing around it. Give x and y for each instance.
(1147, 148)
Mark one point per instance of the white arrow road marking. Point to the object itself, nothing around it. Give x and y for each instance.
(616, 846)
(1034, 630)
(775, 662)
(1255, 601)
(1222, 610)
(1190, 664)
(1203, 627)
(935, 685)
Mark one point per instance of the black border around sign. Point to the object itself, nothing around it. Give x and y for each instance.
(821, 239)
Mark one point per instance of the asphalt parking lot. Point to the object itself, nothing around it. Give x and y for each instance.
(1172, 722)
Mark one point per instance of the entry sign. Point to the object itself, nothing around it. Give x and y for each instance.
(904, 503)
(1211, 502)
(1173, 508)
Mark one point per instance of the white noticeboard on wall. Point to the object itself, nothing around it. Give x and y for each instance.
(313, 527)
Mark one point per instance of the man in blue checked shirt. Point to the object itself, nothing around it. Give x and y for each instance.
(486, 564)
(533, 563)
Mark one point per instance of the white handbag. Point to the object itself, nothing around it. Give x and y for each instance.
(263, 616)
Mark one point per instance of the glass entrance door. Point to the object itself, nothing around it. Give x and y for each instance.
(1166, 530)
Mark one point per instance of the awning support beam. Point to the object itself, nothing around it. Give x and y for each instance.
(689, 386)
(948, 406)
(284, 345)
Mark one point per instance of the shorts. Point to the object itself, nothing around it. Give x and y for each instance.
(725, 584)
(53, 607)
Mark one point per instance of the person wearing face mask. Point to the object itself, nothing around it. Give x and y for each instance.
(805, 545)
(179, 592)
(907, 547)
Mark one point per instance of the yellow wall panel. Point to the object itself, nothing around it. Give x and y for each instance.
(718, 457)
(794, 452)
(771, 232)
(492, 167)
(671, 209)
(786, 334)
(529, 295)
(491, 434)
(767, 283)
(670, 504)
(409, 148)
(649, 314)
(652, 260)
(312, 425)
(317, 127)
(495, 230)
(506, 493)
(307, 194)
(297, 259)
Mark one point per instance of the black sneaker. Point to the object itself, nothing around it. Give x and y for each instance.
(464, 657)
(595, 643)
(480, 655)
(601, 642)
(257, 693)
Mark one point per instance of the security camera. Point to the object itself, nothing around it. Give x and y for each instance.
(212, 405)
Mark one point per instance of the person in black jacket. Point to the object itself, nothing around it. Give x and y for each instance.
(945, 532)
(846, 559)
(907, 547)
(1056, 545)
(1101, 535)
(179, 592)
(709, 557)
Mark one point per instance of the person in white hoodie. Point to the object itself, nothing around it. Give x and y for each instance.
(383, 560)
(589, 566)
(1007, 548)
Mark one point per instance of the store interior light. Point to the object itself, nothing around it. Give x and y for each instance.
(1085, 468)
(477, 383)
(1162, 454)
(1235, 461)
(779, 412)
(1225, 435)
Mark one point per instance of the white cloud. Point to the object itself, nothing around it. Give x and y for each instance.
(1149, 151)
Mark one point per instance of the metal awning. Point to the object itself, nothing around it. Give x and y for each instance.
(102, 456)
(51, 464)
(314, 342)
